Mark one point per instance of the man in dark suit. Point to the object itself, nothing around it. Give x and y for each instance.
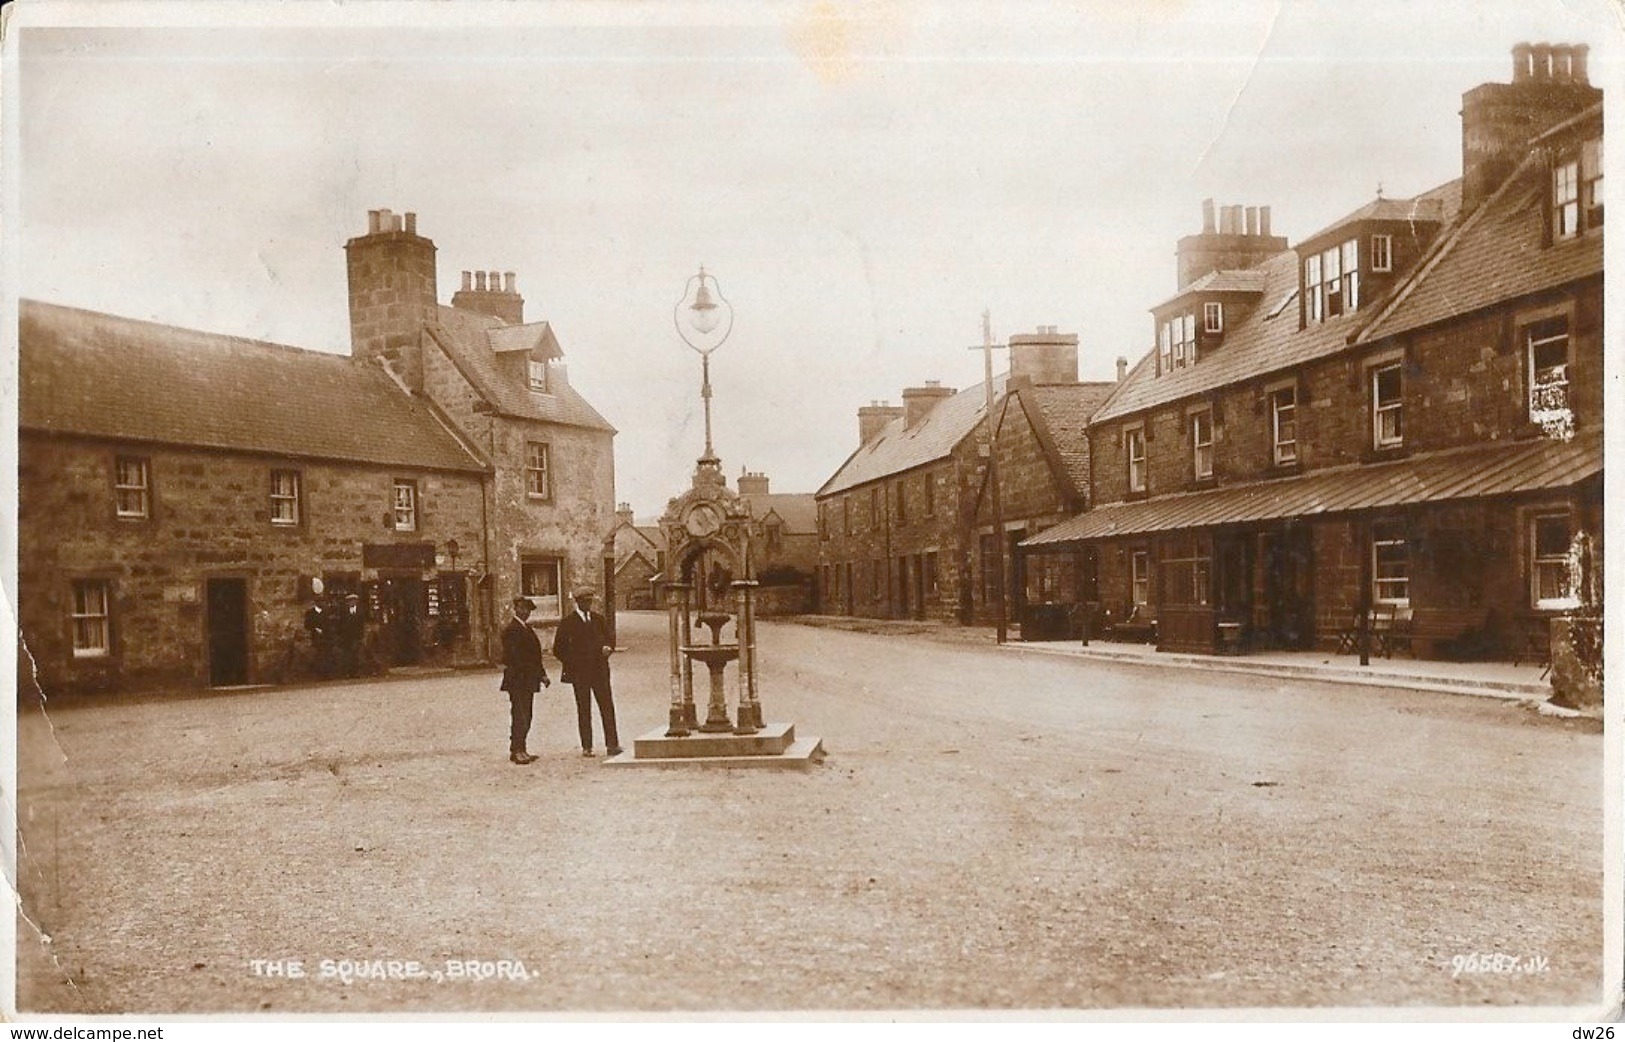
(582, 644)
(522, 673)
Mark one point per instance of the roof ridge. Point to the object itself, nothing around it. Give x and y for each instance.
(245, 341)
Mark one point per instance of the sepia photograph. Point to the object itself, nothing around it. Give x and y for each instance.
(1124, 482)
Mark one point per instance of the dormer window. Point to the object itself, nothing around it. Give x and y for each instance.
(1577, 192)
(1213, 317)
(1176, 340)
(538, 376)
(1331, 280)
(1382, 253)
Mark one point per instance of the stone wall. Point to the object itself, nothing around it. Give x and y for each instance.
(210, 517)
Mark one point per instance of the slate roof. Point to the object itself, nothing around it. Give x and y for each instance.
(895, 449)
(798, 510)
(1255, 345)
(467, 338)
(1478, 471)
(1227, 280)
(84, 372)
(1062, 422)
(1429, 206)
(1268, 339)
(1496, 254)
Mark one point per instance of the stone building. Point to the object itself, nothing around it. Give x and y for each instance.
(787, 560)
(180, 491)
(903, 533)
(1399, 419)
(640, 554)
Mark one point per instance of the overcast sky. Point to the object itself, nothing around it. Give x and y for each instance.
(862, 178)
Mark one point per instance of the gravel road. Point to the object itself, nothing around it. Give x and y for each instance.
(990, 831)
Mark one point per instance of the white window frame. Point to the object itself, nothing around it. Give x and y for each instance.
(1566, 199)
(537, 372)
(1381, 411)
(544, 468)
(1134, 453)
(1202, 444)
(1551, 394)
(132, 485)
(285, 498)
(1284, 450)
(1390, 589)
(1382, 252)
(91, 618)
(1331, 275)
(1139, 572)
(1561, 562)
(405, 505)
(1212, 317)
(1591, 171)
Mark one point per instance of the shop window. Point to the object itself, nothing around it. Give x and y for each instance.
(1390, 565)
(92, 618)
(1187, 574)
(539, 581)
(1140, 577)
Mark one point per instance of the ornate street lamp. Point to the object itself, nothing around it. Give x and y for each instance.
(704, 318)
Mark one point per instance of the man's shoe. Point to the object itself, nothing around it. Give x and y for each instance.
(521, 758)
(586, 752)
(613, 752)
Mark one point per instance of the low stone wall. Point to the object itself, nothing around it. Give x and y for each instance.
(784, 600)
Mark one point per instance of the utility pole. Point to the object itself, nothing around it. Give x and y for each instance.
(993, 477)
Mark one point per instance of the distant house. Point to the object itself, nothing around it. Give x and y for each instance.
(180, 493)
(1400, 418)
(787, 558)
(640, 554)
(904, 529)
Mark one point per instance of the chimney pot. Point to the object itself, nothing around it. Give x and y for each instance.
(1207, 217)
(1523, 62)
(1264, 221)
(1252, 220)
(468, 281)
(1578, 55)
(1122, 368)
(411, 223)
(374, 225)
(507, 282)
(1543, 61)
(479, 281)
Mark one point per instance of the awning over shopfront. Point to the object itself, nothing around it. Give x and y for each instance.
(1472, 473)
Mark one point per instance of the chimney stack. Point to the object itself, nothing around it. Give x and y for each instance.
(752, 483)
(623, 513)
(491, 293)
(1122, 369)
(919, 401)
(391, 274)
(1498, 120)
(1241, 240)
(874, 418)
(1045, 357)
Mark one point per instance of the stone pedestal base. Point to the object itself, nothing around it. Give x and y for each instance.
(775, 745)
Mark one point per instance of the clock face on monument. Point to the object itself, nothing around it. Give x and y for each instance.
(703, 519)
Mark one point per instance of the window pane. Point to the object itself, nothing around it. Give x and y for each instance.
(1552, 536)
(1388, 385)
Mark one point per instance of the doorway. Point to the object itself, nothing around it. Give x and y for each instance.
(400, 620)
(1288, 558)
(226, 610)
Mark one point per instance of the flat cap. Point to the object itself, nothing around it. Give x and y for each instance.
(584, 591)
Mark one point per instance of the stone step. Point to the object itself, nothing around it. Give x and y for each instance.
(801, 754)
(773, 739)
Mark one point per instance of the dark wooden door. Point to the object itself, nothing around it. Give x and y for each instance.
(227, 611)
(1289, 587)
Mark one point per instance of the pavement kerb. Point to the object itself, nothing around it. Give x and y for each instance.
(1505, 690)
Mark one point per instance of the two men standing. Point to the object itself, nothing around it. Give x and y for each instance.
(583, 645)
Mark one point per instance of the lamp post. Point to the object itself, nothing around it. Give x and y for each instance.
(987, 347)
(704, 318)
